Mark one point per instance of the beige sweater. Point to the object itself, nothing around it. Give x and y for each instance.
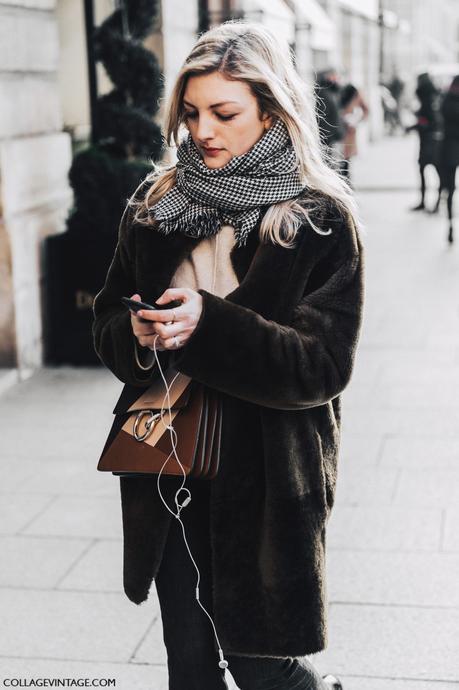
(208, 267)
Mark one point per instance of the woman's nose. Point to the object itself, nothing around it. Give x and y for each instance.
(205, 130)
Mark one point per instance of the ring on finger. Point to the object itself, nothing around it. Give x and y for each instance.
(168, 323)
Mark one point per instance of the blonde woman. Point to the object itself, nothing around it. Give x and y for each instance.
(255, 235)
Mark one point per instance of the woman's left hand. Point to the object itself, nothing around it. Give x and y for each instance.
(184, 318)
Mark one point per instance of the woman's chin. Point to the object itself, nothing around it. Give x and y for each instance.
(215, 162)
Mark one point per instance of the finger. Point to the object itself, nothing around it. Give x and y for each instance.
(136, 297)
(151, 347)
(144, 332)
(163, 315)
(168, 331)
(149, 341)
(183, 294)
(142, 327)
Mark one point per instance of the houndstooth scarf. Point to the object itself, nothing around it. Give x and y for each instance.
(203, 199)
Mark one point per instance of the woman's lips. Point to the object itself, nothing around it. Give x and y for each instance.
(211, 152)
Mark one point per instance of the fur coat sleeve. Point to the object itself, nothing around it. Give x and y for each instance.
(305, 356)
(114, 340)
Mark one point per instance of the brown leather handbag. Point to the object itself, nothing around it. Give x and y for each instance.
(144, 442)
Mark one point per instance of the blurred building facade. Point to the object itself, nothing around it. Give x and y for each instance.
(419, 35)
(44, 104)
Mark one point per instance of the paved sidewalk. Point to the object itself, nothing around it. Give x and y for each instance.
(393, 540)
(389, 164)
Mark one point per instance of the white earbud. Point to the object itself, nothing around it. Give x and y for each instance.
(222, 663)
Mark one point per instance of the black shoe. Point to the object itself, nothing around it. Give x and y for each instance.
(419, 207)
(333, 682)
(450, 235)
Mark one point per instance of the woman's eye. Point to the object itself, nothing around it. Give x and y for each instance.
(225, 117)
(193, 115)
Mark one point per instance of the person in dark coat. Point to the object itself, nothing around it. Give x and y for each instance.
(449, 150)
(331, 124)
(427, 127)
(257, 237)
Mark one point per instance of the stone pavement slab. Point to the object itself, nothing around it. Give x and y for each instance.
(442, 422)
(368, 420)
(79, 516)
(451, 539)
(100, 568)
(385, 528)
(434, 488)
(74, 477)
(414, 368)
(378, 577)
(431, 452)
(15, 472)
(416, 395)
(38, 563)
(358, 450)
(372, 683)
(366, 485)
(389, 163)
(71, 625)
(68, 439)
(392, 642)
(18, 510)
(359, 394)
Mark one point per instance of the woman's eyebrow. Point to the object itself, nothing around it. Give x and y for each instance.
(214, 105)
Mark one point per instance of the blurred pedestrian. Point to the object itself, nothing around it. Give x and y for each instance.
(255, 235)
(449, 150)
(354, 110)
(389, 105)
(396, 87)
(331, 123)
(427, 126)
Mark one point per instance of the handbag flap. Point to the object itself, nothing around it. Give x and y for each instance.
(126, 455)
(154, 398)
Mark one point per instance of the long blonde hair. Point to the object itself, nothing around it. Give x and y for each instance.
(251, 53)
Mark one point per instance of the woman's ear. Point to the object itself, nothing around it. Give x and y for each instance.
(267, 121)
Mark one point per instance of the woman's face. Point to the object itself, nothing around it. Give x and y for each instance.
(222, 117)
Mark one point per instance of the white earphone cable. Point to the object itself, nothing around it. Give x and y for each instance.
(173, 434)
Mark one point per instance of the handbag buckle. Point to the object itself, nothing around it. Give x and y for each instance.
(150, 423)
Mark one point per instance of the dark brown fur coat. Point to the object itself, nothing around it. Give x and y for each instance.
(280, 349)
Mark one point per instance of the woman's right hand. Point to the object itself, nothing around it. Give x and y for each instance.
(144, 329)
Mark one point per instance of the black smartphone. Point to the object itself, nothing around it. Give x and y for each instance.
(136, 306)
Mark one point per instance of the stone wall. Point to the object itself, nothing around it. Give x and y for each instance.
(35, 156)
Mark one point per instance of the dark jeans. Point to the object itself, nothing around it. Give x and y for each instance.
(192, 655)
